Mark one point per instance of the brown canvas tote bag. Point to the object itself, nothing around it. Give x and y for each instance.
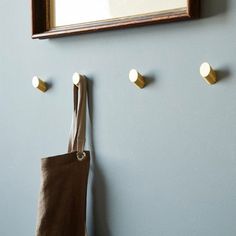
(62, 200)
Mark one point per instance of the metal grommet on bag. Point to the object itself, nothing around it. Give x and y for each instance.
(80, 156)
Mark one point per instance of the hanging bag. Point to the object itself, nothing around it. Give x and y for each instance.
(62, 201)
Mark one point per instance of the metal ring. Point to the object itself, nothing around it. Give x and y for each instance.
(80, 156)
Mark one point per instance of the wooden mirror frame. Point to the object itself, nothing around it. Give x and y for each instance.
(41, 20)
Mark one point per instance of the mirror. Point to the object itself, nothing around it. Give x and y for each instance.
(53, 18)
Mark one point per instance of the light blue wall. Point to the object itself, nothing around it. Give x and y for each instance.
(165, 155)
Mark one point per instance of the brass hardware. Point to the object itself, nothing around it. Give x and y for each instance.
(39, 84)
(81, 156)
(208, 73)
(137, 78)
(76, 78)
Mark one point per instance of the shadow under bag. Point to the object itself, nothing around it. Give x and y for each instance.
(62, 201)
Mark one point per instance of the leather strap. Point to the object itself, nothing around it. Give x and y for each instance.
(78, 126)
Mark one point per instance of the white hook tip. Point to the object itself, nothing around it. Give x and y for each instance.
(76, 78)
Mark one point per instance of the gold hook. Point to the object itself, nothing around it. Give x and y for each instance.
(136, 78)
(39, 84)
(208, 73)
(76, 78)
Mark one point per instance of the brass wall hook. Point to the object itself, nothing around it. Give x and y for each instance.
(39, 84)
(136, 78)
(208, 73)
(76, 78)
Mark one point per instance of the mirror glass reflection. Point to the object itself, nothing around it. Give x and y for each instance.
(68, 12)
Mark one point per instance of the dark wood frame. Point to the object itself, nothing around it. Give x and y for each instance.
(41, 20)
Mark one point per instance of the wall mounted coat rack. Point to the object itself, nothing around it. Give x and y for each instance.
(206, 71)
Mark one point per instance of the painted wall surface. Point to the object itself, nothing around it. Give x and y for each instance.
(165, 156)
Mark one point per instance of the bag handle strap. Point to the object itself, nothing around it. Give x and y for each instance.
(78, 126)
